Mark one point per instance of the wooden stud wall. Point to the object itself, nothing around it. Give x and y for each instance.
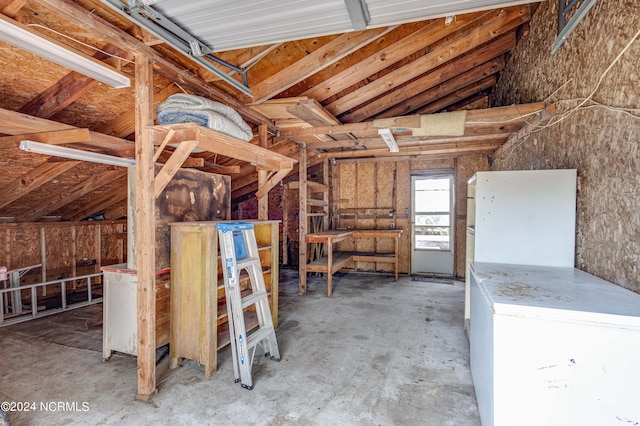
(67, 244)
(363, 198)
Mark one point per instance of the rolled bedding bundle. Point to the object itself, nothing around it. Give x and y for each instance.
(185, 108)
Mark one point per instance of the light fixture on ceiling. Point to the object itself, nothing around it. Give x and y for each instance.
(21, 36)
(388, 138)
(74, 154)
(449, 19)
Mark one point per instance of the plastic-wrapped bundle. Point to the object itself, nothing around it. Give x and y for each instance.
(184, 108)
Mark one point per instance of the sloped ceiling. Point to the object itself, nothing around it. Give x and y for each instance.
(349, 78)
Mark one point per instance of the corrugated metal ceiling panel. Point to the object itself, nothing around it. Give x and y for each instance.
(233, 24)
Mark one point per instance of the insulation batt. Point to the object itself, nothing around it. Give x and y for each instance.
(184, 108)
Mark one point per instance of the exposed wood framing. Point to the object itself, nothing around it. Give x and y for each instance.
(540, 119)
(86, 19)
(319, 59)
(145, 230)
(302, 220)
(34, 179)
(172, 165)
(412, 43)
(505, 21)
(72, 193)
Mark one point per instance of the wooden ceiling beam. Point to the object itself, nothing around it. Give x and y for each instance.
(479, 98)
(433, 78)
(33, 180)
(71, 194)
(11, 8)
(426, 36)
(484, 71)
(88, 20)
(473, 118)
(504, 21)
(444, 148)
(99, 204)
(458, 99)
(56, 137)
(321, 58)
(68, 89)
(15, 123)
(370, 143)
(124, 125)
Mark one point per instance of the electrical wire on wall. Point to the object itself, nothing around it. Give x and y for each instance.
(584, 103)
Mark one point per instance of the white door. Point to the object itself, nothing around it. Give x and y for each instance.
(432, 224)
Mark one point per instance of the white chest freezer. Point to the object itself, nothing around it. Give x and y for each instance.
(553, 346)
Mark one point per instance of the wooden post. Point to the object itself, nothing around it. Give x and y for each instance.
(325, 195)
(263, 130)
(145, 230)
(302, 219)
(43, 259)
(285, 224)
(74, 260)
(263, 202)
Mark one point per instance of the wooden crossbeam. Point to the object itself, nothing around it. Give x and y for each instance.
(474, 118)
(172, 165)
(220, 143)
(55, 137)
(533, 123)
(271, 182)
(444, 148)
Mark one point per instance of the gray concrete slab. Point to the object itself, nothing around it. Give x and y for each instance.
(376, 353)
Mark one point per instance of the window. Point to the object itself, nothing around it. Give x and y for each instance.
(432, 217)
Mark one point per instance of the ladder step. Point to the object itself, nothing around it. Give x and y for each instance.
(253, 298)
(258, 336)
(245, 263)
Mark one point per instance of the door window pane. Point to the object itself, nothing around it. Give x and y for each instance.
(432, 227)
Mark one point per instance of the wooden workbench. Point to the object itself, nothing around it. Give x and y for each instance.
(336, 260)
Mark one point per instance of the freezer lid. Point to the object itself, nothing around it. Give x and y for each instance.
(556, 293)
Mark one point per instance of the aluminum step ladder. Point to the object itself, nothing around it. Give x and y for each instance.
(238, 250)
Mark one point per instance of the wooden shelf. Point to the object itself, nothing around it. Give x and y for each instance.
(219, 143)
(340, 259)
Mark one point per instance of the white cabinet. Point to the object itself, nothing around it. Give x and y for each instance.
(553, 346)
(119, 310)
(520, 217)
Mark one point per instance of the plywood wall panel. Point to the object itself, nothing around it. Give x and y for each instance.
(601, 144)
(191, 195)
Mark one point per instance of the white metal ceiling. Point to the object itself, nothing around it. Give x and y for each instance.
(233, 24)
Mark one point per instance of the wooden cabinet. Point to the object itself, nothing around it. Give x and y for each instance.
(198, 306)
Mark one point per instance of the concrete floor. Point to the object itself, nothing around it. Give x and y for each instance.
(376, 353)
